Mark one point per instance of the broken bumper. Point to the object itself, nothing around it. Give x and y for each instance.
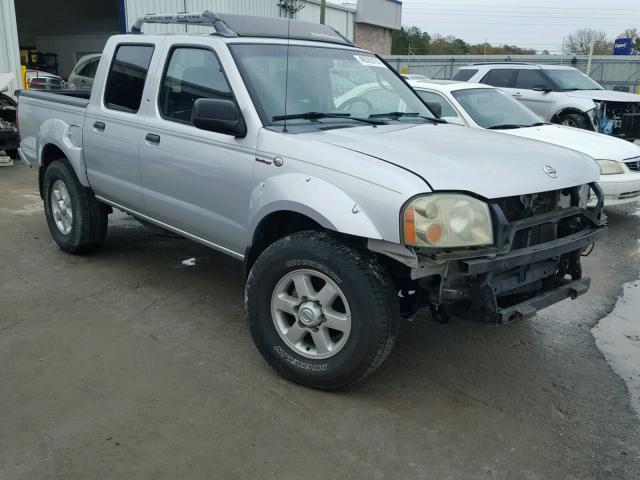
(504, 283)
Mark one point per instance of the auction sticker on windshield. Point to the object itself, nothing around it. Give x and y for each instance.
(369, 61)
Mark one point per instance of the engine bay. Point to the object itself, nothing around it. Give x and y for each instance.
(620, 119)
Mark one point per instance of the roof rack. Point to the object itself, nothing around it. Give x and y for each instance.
(229, 25)
(204, 18)
(503, 63)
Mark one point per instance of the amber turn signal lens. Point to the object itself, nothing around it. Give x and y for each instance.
(409, 226)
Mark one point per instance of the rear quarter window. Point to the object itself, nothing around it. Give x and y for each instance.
(464, 75)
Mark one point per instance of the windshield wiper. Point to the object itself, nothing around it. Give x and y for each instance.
(407, 114)
(507, 126)
(315, 116)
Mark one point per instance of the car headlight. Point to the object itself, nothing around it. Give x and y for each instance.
(447, 220)
(610, 167)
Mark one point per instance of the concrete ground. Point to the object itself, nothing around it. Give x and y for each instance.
(127, 364)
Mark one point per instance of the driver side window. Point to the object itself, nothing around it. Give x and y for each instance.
(191, 73)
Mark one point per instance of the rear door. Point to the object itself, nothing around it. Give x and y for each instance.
(538, 101)
(113, 127)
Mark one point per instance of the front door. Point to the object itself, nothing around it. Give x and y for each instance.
(537, 100)
(195, 180)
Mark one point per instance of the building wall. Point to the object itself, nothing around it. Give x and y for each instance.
(9, 49)
(384, 13)
(71, 48)
(373, 38)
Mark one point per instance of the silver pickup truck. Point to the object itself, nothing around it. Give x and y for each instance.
(350, 203)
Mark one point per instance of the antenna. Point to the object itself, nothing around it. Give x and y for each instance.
(286, 76)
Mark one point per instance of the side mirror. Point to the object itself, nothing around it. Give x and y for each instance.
(221, 116)
(539, 87)
(435, 108)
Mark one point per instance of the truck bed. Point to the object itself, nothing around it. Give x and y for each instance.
(51, 116)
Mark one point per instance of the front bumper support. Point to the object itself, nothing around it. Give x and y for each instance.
(529, 308)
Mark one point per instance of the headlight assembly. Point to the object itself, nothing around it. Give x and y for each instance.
(610, 167)
(447, 220)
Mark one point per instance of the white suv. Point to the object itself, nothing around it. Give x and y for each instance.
(562, 94)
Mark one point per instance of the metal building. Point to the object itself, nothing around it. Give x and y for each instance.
(70, 29)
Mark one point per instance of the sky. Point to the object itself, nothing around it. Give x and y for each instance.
(531, 24)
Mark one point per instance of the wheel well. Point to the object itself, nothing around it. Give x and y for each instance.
(273, 227)
(49, 153)
(556, 118)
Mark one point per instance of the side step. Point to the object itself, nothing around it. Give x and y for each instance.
(527, 309)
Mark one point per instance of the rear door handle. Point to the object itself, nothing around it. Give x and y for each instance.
(100, 126)
(152, 138)
(517, 94)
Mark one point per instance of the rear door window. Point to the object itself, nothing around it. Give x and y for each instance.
(500, 77)
(89, 70)
(127, 77)
(191, 73)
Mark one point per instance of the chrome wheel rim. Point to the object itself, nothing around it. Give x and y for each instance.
(61, 207)
(311, 314)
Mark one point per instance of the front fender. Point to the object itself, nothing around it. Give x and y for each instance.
(68, 138)
(572, 105)
(313, 197)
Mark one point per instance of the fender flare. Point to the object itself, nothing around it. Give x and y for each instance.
(323, 202)
(68, 138)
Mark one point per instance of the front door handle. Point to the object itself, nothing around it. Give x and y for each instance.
(517, 94)
(99, 126)
(152, 138)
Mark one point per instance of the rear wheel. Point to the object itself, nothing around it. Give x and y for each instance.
(76, 220)
(574, 120)
(321, 312)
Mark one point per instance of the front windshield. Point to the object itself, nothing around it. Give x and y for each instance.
(329, 80)
(492, 108)
(568, 80)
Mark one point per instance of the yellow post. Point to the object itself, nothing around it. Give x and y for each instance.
(25, 80)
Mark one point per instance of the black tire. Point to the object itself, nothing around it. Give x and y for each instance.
(90, 217)
(13, 154)
(367, 288)
(574, 120)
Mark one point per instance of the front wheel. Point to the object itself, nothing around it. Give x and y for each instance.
(574, 120)
(322, 312)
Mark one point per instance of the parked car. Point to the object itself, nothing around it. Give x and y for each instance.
(344, 223)
(9, 140)
(414, 76)
(83, 73)
(482, 106)
(39, 80)
(562, 94)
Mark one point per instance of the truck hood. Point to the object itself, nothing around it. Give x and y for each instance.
(451, 157)
(606, 95)
(5, 80)
(597, 145)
